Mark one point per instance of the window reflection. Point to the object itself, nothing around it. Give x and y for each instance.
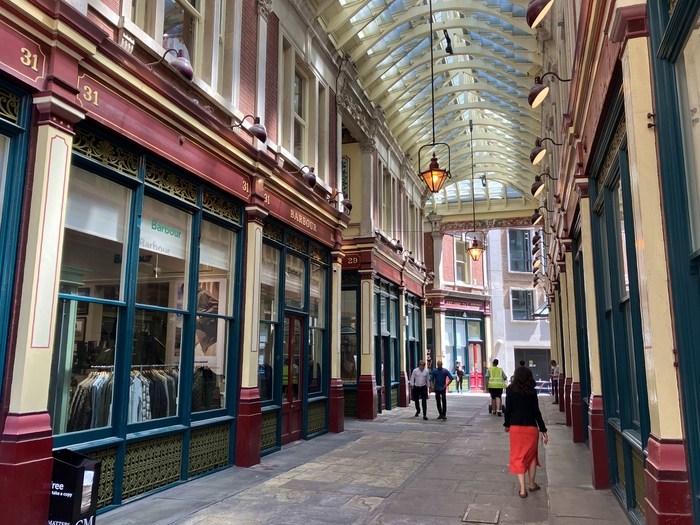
(625, 284)
(348, 338)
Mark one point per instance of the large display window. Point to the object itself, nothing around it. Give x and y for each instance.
(146, 311)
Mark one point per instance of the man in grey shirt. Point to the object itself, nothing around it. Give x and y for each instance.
(419, 381)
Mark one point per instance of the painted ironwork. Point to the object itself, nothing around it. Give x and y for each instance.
(9, 106)
(611, 156)
(273, 232)
(108, 459)
(319, 254)
(350, 403)
(350, 278)
(170, 183)
(221, 207)
(672, 6)
(395, 396)
(316, 420)
(295, 243)
(209, 449)
(640, 486)
(268, 432)
(151, 464)
(106, 153)
(620, 461)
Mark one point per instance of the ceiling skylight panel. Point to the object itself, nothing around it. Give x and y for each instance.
(364, 14)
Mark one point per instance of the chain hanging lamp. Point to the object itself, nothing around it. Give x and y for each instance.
(434, 177)
(476, 248)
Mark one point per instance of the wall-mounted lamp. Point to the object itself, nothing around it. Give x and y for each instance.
(538, 185)
(333, 198)
(539, 91)
(538, 152)
(536, 11)
(257, 129)
(397, 244)
(537, 238)
(181, 63)
(309, 176)
(537, 216)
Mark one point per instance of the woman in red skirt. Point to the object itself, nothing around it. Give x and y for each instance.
(522, 419)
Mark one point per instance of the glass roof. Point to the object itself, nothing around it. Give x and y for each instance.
(485, 79)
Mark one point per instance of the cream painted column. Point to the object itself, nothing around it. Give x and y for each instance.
(571, 319)
(424, 332)
(657, 327)
(336, 398)
(367, 387)
(29, 392)
(438, 335)
(403, 376)
(488, 339)
(589, 287)
(368, 149)
(264, 10)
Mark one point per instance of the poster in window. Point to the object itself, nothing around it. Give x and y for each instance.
(210, 338)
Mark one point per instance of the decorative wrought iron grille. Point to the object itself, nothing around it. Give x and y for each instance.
(319, 254)
(316, 420)
(273, 232)
(151, 464)
(620, 461)
(221, 207)
(268, 433)
(640, 486)
(395, 396)
(105, 153)
(209, 449)
(9, 106)
(105, 493)
(295, 243)
(170, 183)
(350, 408)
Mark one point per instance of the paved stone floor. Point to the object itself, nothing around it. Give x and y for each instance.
(397, 469)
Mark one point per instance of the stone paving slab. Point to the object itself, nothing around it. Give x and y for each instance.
(399, 470)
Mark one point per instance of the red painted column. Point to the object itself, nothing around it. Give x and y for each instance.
(567, 401)
(597, 442)
(561, 392)
(404, 397)
(576, 412)
(248, 428)
(367, 398)
(336, 410)
(668, 499)
(26, 464)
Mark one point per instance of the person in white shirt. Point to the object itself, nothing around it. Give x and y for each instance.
(419, 381)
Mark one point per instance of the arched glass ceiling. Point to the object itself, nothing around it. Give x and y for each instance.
(485, 79)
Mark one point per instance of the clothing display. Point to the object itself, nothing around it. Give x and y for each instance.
(152, 395)
(205, 391)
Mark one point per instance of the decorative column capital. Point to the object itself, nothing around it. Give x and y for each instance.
(55, 111)
(264, 8)
(368, 145)
(256, 214)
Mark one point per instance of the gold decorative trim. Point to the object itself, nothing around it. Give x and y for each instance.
(222, 208)
(319, 254)
(9, 106)
(672, 6)
(612, 152)
(105, 153)
(295, 243)
(268, 431)
(273, 232)
(108, 461)
(209, 449)
(169, 183)
(316, 418)
(151, 464)
(350, 278)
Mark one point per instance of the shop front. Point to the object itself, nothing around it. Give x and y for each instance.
(145, 355)
(294, 338)
(464, 344)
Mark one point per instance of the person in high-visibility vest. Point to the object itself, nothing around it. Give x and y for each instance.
(496, 381)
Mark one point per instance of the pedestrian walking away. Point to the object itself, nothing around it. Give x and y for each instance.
(441, 378)
(522, 421)
(496, 382)
(419, 391)
(554, 376)
(459, 376)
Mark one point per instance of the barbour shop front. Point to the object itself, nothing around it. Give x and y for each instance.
(144, 366)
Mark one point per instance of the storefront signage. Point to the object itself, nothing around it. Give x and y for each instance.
(295, 215)
(21, 55)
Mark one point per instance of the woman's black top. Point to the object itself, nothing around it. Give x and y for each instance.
(522, 411)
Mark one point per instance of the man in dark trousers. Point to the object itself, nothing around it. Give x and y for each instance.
(554, 375)
(441, 380)
(419, 383)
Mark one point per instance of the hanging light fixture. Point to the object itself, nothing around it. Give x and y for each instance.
(476, 247)
(257, 129)
(434, 176)
(180, 63)
(536, 11)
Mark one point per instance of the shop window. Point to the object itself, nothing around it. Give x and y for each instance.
(348, 337)
(322, 123)
(688, 74)
(214, 301)
(317, 308)
(269, 304)
(522, 305)
(386, 200)
(295, 282)
(171, 23)
(4, 158)
(519, 251)
(384, 313)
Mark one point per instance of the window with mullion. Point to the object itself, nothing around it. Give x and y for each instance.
(269, 320)
(317, 333)
(299, 111)
(519, 251)
(522, 305)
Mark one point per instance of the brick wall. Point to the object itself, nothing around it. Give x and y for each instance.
(428, 251)
(249, 57)
(478, 270)
(448, 258)
(103, 24)
(332, 142)
(272, 78)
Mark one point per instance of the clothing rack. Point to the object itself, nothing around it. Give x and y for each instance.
(103, 367)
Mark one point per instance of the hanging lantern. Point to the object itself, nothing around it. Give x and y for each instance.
(435, 177)
(476, 248)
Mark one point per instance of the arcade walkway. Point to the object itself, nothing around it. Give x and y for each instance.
(395, 470)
